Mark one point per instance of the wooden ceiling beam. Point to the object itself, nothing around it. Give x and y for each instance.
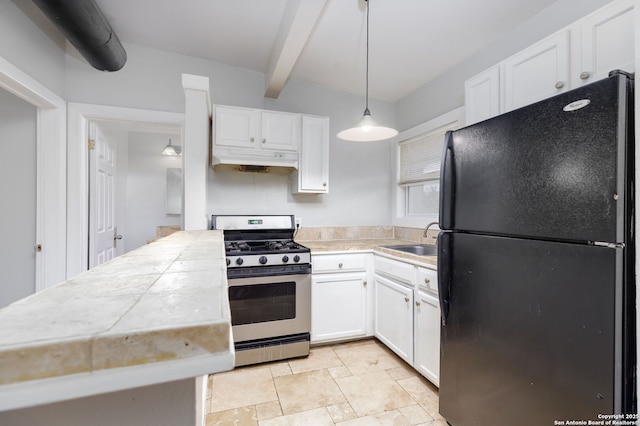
(297, 24)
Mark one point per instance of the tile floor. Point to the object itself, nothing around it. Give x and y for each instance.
(356, 383)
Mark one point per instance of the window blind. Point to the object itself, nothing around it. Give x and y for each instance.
(420, 156)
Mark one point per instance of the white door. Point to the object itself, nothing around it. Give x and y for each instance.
(338, 306)
(102, 190)
(607, 43)
(237, 127)
(314, 155)
(394, 317)
(482, 96)
(427, 336)
(280, 131)
(538, 72)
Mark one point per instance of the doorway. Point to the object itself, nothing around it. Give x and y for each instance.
(18, 192)
(129, 186)
(126, 121)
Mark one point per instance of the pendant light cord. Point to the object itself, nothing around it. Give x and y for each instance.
(366, 78)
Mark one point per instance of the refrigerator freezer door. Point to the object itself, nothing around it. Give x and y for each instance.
(541, 171)
(531, 331)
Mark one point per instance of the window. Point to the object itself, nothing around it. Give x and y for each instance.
(419, 161)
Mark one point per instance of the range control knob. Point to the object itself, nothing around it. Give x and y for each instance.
(239, 261)
(285, 258)
(296, 258)
(262, 260)
(228, 261)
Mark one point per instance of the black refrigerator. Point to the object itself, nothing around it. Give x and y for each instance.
(536, 262)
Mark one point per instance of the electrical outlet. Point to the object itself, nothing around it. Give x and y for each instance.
(298, 222)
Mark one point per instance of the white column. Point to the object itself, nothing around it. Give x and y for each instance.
(195, 152)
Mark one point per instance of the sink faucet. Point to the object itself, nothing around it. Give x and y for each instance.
(426, 229)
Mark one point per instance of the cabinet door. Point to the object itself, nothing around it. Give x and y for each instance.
(280, 131)
(338, 306)
(607, 43)
(536, 73)
(313, 173)
(427, 336)
(237, 127)
(482, 96)
(394, 317)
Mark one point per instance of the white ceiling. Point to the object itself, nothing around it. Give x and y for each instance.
(323, 41)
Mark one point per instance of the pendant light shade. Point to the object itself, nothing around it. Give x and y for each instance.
(367, 130)
(171, 149)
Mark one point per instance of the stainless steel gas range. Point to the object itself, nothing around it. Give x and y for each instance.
(269, 279)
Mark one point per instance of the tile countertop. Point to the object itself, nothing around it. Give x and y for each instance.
(156, 314)
(369, 244)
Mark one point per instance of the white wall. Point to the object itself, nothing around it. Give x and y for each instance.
(18, 195)
(28, 48)
(147, 186)
(446, 92)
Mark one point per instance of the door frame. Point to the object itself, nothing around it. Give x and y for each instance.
(50, 171)
(78, 116)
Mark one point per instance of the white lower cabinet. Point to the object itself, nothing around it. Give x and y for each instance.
(356, 295)
(339, 306)
(407, 313)
(340, 297)
(427, 336)
(394, 316)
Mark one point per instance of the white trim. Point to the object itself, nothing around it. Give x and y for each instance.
(50, 166)
(398, 218)
(195, 152)
(77, 219)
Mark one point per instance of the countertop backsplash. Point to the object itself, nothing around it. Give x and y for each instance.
(365, 232)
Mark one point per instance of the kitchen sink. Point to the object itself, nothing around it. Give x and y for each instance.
(419, 249)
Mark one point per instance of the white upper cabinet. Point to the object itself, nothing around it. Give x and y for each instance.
(606, 43)
(280, 131)
(482, 96)
(538, 72)
(238, 127)
(249, 128)
(255, 137)
(313, 173)
(584, 52)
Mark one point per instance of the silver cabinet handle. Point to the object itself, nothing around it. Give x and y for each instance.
(252, 139)
(340, 265)
(417, 303)
(364, 283)
(427, 280)
(264, 141)
(406, 299)
(324, 183)
(559, 85)
(584, 75)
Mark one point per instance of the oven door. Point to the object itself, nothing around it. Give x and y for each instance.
(273, 306)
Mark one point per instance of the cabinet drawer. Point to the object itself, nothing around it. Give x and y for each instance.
(394, 269)
(338, 263)
(427, 279)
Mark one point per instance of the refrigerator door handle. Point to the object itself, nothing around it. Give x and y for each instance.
(444, 274)
(447, 184)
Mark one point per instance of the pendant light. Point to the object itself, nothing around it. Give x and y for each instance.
(367, 130)
(171, 149)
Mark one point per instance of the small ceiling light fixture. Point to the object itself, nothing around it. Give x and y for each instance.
(171, 149)
(367, 130)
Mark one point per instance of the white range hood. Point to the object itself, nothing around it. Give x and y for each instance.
(245, 159)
